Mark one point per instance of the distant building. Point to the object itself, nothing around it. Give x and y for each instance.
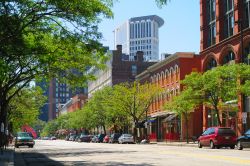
(57, 93)
(73, 104)
(118, 70)
(140, 34)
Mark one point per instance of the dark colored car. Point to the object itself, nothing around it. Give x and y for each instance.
(100, 137)
(244, 141)
(114, 138)
(24, 139)
(217, 137)
(72, 137)
(84, 138)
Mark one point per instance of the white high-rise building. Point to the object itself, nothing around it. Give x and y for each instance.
(140, 34)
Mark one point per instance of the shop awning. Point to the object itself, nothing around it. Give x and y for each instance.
(151, 120)
(169, 117)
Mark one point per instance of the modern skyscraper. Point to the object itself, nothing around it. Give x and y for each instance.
(140, 34)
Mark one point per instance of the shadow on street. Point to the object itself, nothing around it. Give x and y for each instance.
(44, 158)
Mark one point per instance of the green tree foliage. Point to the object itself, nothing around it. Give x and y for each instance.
(134, 100)
(217, 86)
(48, 39)
(50, 128)
(183, 104)
(24, 108)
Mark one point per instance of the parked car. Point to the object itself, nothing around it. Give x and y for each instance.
(114, 138)
(24, 139)
(67, 138)
(72, 137)
(106, 139)
(53, 138)
(94, 138)
(244, 141)
(100, 137)
(125, 138)
(84, 138)
(45, 138)
(217, 137)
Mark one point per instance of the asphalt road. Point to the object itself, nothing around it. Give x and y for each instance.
(60, 152)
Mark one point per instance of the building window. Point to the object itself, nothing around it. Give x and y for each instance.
(211, 64)
(228, 57)
(134, 70)
(246, 53)
(229, 18)
(211, 22)
(246, 24)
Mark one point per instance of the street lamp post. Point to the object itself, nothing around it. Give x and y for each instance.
(242, 59)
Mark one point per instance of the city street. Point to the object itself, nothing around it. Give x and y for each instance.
(60, 152)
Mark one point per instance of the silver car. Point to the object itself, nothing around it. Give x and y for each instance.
(126, 138)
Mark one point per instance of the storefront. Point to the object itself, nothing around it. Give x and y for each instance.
(164, 127)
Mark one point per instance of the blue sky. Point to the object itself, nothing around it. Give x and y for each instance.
(180, 32)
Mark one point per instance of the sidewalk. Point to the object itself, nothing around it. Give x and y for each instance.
(170, 143)
(7, 157)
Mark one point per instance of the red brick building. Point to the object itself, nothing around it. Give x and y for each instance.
(164, 124)
(75, 103)
(225, 38)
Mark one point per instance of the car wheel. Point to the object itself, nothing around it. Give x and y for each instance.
(30, 146)
(16, 146)
(239, 146)
(218, 147)
(212, 145)
(199, 144)
(232, 147)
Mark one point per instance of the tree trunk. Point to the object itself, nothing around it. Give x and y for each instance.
(218, 117)
(104, 129)
(186, 124)
(3, 119)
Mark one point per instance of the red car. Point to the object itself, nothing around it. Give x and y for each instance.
(218, 137)
(106, 139)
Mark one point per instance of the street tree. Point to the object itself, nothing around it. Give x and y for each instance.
(217, 86)
(24, 108)
(183, 104)
(48, 39)
(134, 100)
(98, 105)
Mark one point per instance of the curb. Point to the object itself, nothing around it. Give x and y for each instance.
(177, 144)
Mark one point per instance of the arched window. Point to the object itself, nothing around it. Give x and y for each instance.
(167, 76)
(172, 75)
(176, 72)
(228, 57)
(246, 53)
(162, 78)
(211, 64)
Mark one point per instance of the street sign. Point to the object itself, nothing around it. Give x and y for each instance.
(244, 115)
(244, 120)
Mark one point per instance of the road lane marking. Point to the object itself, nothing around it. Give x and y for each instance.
(207, 156)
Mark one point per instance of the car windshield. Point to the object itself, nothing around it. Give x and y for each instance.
(226, 131)
(23, 135)
(248, 132)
